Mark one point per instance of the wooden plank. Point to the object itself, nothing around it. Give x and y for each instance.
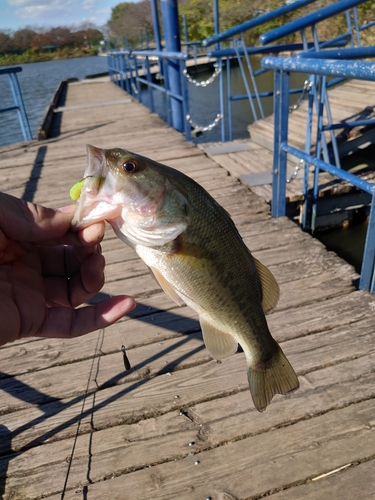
(228, 147)
(21, 358)
(204, 428)
(151, 396)
(74, 107)
(350, 481)
(131, 428)
(232, 469)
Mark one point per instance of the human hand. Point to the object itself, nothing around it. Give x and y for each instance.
(47, 270)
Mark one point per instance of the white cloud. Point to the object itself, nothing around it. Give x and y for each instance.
(42, 9)
(28, 3)
(88, 4)
(42, 12)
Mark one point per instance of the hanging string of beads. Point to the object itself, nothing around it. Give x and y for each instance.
(199, 128)
(204, 83)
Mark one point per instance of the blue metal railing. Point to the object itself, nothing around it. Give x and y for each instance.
(339, 68)
(311, 20)
(132, 69)
(18, 101)
(239, 54)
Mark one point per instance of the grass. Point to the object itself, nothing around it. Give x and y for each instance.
(30, 56)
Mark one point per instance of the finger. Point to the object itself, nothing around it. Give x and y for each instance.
(31, 222)
(93, 234)
(80, 287)
(64, 322)
(26, 221)
(63, 260)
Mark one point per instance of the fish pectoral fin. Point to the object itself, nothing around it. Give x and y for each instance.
(219, 344)
(270, 288)
(167, 287)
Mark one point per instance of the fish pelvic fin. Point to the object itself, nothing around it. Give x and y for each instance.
(219, 344)
(270, 288)
(278, 377)
(167, 287)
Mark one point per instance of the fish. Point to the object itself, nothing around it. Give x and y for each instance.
(195, 252)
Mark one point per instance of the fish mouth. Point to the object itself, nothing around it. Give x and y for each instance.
(96, 199)
(96, 163)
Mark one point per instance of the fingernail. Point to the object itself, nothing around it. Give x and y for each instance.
(67, 209)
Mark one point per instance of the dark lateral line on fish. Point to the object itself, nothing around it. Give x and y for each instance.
(127, 364)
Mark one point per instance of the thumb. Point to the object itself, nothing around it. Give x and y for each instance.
(24, 221)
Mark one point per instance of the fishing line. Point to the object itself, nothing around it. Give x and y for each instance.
(127, 364)
(99, 341)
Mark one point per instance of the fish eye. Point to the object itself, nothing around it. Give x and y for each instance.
(130, 166)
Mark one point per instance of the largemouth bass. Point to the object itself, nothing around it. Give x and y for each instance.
(195, 252)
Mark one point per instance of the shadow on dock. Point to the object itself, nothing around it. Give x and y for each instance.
(31, 185)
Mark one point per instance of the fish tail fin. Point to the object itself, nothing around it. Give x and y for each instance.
(278, 377)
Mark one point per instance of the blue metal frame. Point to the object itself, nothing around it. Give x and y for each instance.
(342, 68)
(257, 21)
(132, 69)
(237, 53)
(18, 101)
(309, 20)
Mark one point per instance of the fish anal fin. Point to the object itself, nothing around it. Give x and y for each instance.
(167, 287)
(270, 288)
(219, 344)
(277, 377)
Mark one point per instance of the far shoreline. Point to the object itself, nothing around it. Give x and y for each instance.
(33, 57)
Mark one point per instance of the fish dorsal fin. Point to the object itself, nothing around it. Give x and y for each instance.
(219, 344)
(167, 287)
(270, 288)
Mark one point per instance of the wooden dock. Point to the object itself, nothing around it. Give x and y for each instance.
(351, 101)
(178, 425)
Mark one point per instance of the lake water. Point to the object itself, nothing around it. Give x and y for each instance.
(38, 82)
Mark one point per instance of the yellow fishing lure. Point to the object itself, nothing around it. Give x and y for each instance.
(75, 190)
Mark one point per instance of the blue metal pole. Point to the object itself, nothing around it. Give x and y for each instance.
(18, 100)
(367, 281)
(309, 125)
(216, 22)
(186, 35)
(155, 22)
(281, 112)
(169, 11)
(185, 101)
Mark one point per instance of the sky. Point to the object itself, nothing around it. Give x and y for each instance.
(17, 14)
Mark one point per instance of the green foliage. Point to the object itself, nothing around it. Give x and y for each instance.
(119, 11)
(129, 18)
(31, 55)
(199, 15)
(29, 44)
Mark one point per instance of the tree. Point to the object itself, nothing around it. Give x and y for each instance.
(129, 18)
(199, 15)
(22, 38)
(6, 41)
